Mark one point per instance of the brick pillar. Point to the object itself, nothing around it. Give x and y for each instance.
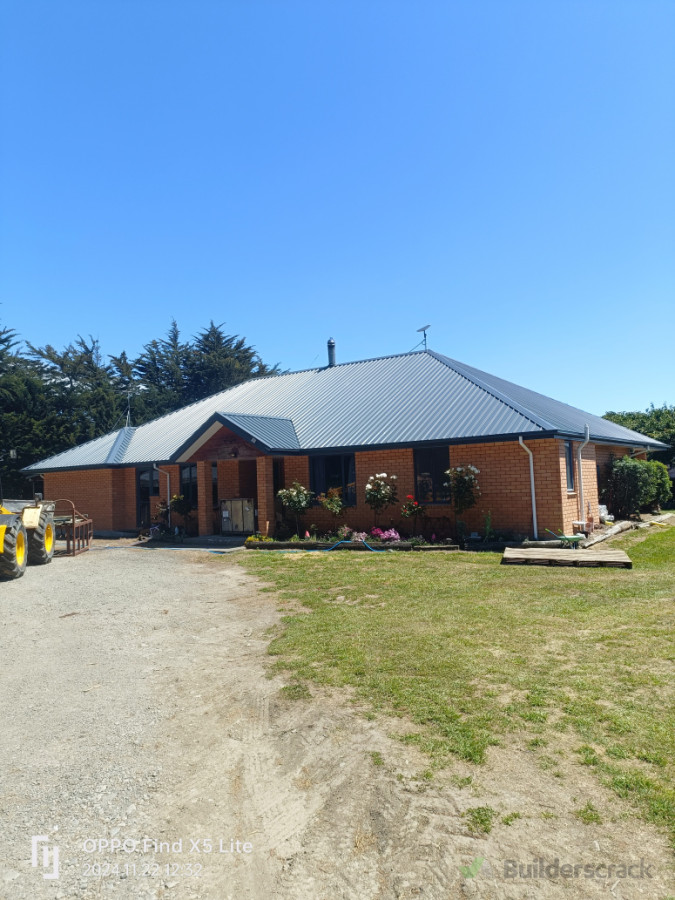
(265, 472)
(205, 495)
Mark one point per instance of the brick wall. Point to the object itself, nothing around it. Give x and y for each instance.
(571, 500)
(124, 510)
(228, 479)
(91, 490)
(504, 480)
(248, 478)
(296, 468)
(223, 445)
(109, 495)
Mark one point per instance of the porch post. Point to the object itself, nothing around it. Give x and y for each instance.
(265, 473)
(205, 502)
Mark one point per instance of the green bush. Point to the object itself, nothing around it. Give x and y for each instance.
(627, 487)
(633, 484)
(660, 491)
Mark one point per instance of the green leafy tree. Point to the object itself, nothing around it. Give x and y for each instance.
(219, 361)
(51, 399)
(657, 422)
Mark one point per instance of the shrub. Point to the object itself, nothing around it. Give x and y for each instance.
(380, 493)
(660, 491)
(463, 487)
(414, 510)
(628, 486)
(391, 535)
(332, 502)
(282, 532)
(298, 499)
(183, 506)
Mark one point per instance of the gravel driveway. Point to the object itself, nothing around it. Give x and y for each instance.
(143, 741)
(101, 656)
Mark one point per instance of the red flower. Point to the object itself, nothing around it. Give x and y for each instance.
(409, 497)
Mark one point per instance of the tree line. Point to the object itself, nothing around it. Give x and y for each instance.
(52, 399)
(657, 422)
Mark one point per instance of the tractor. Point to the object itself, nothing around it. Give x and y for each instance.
(26, 535)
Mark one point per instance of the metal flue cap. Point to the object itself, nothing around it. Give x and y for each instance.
(331, 352)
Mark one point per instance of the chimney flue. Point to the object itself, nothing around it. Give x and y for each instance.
(331, 352)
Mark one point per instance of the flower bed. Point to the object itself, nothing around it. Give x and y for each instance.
(344, 545)
(325, 545)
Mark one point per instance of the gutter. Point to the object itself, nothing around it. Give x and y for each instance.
(587, 437)
(534, 499)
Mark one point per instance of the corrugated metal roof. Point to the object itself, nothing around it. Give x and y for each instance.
(93, 453)
(119, 448)
(406, 399)
(562, 417)
(272, 432)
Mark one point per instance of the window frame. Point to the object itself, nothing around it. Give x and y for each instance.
(317, 481)
(153, 480)
(569, 466)
(193, 493)
(439, 493)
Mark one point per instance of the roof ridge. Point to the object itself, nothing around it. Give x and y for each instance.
(460, 368)
(353, 362)
(255, 416)
(120, 444)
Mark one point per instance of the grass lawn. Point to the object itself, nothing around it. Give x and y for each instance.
(472, 652)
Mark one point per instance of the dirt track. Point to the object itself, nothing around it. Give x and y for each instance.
(135, 705)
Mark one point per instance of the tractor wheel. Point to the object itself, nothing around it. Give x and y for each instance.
(14, 554)
(41, 540)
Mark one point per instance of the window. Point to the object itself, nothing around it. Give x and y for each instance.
(339, 471)
(147, 488)
(188, 483)
(569, 462)
(214, 483)
(148, 483)
(431, 465)
(278, 474)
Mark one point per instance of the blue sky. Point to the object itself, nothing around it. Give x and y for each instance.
(298, 170)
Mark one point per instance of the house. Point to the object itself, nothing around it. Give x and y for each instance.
(412, 415)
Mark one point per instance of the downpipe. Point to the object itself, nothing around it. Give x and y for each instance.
(534, 500)
(582, 513)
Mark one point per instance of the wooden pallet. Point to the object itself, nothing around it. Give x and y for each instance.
(541, 556)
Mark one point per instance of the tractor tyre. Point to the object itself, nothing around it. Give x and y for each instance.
(14, 554)
(41, 540)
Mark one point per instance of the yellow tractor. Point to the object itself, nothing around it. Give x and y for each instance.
(26, 535)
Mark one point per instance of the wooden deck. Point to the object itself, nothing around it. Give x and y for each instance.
(541, 556)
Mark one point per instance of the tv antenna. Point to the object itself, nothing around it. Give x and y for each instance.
(423, 330)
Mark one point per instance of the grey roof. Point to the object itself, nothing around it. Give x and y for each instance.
(412, 398)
